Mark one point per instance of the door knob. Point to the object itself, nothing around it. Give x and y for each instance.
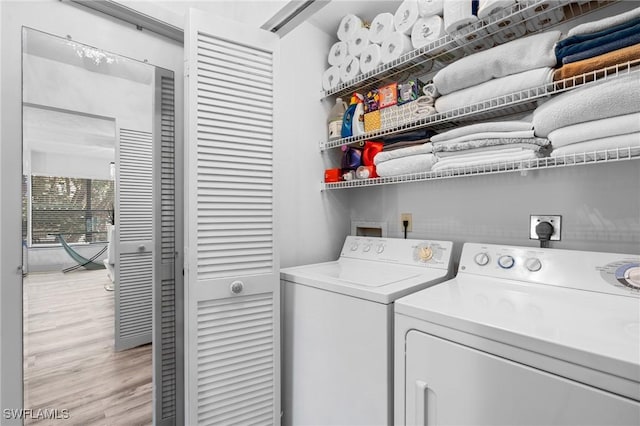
(236, 287)
(141, 247)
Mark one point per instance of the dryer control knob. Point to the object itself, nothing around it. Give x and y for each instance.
(425, 254)
(481, 258)
(533, 264)
(354, 246)
(380, 248)
(506, 261)
(366, 248)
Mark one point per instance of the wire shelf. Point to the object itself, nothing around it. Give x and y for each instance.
(439, 53)
(513, 103)
(522, 166)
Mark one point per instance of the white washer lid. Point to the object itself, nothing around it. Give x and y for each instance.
(376, 281)
(595, 330)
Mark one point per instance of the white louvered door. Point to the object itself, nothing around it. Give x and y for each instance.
(134, 236)
(232, 302)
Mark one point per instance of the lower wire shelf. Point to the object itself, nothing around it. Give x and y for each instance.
(589, 157)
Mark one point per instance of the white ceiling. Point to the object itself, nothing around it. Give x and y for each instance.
(328, 18)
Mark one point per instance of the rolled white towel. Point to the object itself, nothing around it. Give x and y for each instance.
(427, 30)
(338, 53)
(349, 26)
(428, 8)
(458, 14)
(331, 78)
(423, 106)
(430, 89)
(596, 129)
(359, 42)
(370, 58)
(489, 7)
(406, 16)
(395, 45)
(617, 96)
(612, 21)
(381, 26)
(349, 69)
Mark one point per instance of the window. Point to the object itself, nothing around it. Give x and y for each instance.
(78, 209)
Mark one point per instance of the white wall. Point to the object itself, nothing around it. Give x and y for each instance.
(311, 225)
(58, 18)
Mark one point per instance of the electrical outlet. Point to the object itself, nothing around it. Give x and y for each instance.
(554, 220)
(407, 217)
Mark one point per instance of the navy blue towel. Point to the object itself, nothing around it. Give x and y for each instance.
(585, 37)
(587, 45)
(601, 50)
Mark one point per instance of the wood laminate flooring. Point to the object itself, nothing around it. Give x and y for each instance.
(69, 361)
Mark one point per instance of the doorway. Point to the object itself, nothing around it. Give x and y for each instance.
(98, 196)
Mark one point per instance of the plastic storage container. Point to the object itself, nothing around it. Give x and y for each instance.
(334, 121)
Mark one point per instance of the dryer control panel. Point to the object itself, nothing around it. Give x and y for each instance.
(428, 253)
(602, 272)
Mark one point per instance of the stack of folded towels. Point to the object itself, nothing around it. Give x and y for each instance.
(600, 116)
(511, 67)
(406, 153)
(599, 44)
(487, 143)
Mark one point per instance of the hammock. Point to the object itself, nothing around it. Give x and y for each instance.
(81, 260)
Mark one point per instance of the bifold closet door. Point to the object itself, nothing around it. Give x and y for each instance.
(232, 278)
(134, 236)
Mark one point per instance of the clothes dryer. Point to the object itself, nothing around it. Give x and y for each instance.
(338, 328)
(522, 336)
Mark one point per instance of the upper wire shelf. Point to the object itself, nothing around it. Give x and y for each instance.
(523, 166)
(513, 103)
(439, 53)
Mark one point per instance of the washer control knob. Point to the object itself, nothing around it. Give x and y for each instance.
(366, 248)
(506, 261)
(533, 264)
(425, 254)
(481, 258)
(380, 248)
(354, 246)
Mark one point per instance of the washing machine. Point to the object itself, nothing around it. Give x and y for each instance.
(337, 336)
(522, 336)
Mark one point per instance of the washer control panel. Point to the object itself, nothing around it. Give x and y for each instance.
(402, 251)
(593, 271)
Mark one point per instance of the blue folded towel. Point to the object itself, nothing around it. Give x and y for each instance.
(605, 48)
(597, 42)
(590, 36)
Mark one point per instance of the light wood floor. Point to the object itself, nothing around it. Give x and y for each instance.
(69, 358)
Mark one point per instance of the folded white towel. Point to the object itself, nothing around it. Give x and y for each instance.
(383, 156)
(430, 7)
(494, 88)
(338, 53)
(596, 129)
(518, 134)
(612, 142)
(611, 21)
(359, 42)
(406, 15)
(401, 166)
(486, 149)
(381, 26)
(458, 14)
(489, 7)
(427, 30)
(488, 126)
(617, 96)
(520, 55)
(498, 157)
(331, 78)
(348, 27)
(370, 58)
